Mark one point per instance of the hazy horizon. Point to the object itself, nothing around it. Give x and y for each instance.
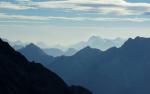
(67, 22)
(65, 36)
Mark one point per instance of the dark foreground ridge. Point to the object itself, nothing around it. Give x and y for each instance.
(19, 76)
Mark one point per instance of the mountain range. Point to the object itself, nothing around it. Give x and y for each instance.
(58, 50)
(34, 53)
(19, 76)
(55, 52)
(118, 70)
(123, 70)
(99, 43)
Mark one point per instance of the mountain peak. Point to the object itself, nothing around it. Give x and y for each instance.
(34, 53)
(88, 51)
(33, 48)
(32, 45)
(138, 41)
(138, 45)
(94, 38)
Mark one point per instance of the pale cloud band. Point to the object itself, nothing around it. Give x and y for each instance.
(48, 18)
(102, 7)
(120, 7)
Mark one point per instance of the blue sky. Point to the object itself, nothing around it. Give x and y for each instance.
(69, 21)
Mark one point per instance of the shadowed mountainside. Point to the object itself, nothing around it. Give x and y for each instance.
(123, 70)
(34, 53)
(19, 76)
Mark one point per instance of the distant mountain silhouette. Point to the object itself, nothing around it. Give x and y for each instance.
(55, 52)
(34, 53)
(19, 76)
(46, 56)
(99, 43)
(70, 52)
(124, 70)
(87, 51)
(17, 47)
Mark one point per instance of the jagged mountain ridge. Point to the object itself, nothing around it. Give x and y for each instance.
(123, 70)
(19, 76)
(99, 43)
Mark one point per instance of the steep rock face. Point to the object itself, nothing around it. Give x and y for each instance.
(123, 70)
(19, 76)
